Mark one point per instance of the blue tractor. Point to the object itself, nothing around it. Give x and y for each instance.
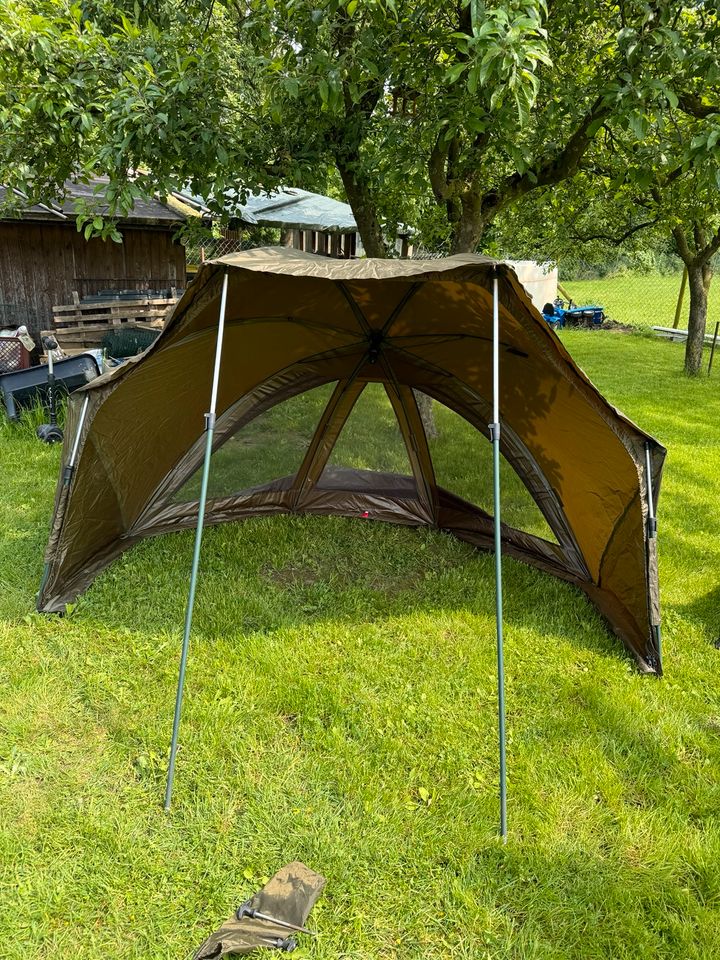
(558, 315)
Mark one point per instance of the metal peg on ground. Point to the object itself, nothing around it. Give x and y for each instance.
(245, 910)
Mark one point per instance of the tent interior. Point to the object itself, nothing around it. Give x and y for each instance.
(363, 389)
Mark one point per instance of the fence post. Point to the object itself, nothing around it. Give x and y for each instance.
(681, 297)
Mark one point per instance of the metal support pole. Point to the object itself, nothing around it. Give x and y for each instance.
(70, 466)
(495, 437)
(652, 534)
(209, 430)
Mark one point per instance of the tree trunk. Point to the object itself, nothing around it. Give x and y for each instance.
(468, 229)
(699, 278)
(363, 209)
(427, 414)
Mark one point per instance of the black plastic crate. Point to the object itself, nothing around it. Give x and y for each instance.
(23, 388)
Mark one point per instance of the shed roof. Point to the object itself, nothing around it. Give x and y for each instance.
(294, 209)
(146, 212)
(288, 208)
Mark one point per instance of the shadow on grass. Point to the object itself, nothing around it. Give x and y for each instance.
(705, 610)
(336, 667)
(267, 574)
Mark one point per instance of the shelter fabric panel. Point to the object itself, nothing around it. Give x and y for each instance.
(305, 302)
(97, 517)
(142, 435)
(583, 460)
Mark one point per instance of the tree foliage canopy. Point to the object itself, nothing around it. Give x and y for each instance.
(442, 113)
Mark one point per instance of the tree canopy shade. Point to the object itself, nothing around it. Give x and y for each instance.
(505, 99)
(334, 332)
(664, 189)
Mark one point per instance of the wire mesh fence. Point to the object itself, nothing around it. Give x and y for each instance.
(630, 295)
(210, 248)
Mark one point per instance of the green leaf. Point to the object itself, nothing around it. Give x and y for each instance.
(639, 125)
(454, 72)
(472, 82)
(292, 86)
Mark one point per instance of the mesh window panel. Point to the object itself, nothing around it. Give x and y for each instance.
(270, 447)
(371, 442)
(463, 462)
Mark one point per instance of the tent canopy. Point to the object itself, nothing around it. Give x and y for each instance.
(313, 346)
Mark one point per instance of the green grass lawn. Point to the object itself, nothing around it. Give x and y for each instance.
(641, 299)
(340, 709)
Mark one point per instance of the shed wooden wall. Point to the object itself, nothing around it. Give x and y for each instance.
(41, 264)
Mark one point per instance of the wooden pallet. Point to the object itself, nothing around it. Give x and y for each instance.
(77, 339)
(679, 336)
(111, 312)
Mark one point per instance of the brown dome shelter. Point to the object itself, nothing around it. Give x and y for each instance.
(303, 329)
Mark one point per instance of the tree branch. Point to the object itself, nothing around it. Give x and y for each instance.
(710, 248)
(694, 106)
(682, 245)
(615, 240)
(436, 168)
(547, 172)
(698, 237)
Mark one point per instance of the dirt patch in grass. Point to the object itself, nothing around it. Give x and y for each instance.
(303, 576)
(293, 575)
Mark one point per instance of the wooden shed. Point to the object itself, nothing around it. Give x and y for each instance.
(304, 221)
(45, 261)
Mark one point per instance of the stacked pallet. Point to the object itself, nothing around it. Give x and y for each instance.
(672, 333)
(84, 324)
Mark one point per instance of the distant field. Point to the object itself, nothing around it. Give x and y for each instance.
(641, 299)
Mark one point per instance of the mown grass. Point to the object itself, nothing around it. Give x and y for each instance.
(340, 673)
(641, 299)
